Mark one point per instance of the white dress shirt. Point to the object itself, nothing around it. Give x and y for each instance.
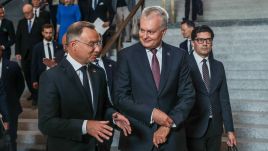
(199, 62)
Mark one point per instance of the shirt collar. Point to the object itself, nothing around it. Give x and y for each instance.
(198, 58)
(76, 65)
(159, 49)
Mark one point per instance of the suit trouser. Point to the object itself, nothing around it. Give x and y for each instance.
(209, 142)
(121, 15)
(13, 126)
(194, 9)
(26, 67)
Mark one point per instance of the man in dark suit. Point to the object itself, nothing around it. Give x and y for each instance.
(3, 110)
(153, 88)
(187, 27)
(13, 81)
(28, 34)
(43, 57)
(39, 12)
(7, 34)
(212, 108)
(73, 103)
(188, 8)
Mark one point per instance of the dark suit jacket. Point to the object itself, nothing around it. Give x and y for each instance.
(3, 105)
(24, 40)
(110, 67)
(14, 86)
(63, 106)
(218, 96)
(184, 46)
(136, 95)
(45, 16)
(37, 66)
(7, 36)
(103, 7)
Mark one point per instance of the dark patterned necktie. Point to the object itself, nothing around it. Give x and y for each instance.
(206, 80)
(155, 68)
(97, 62)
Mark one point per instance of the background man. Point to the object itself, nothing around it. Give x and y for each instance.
(153, 88)
(28, 34)
(39, 12)
(212, 108)
(13, 83)
(73, 102)
(187, 27)
(7, 34)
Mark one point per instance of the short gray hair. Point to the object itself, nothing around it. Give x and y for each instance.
(157, 10)
(75, 30)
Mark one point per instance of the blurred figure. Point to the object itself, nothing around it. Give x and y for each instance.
(212, 110)
(3, 110)
(53, 7)
(28, 34)
(122, 9)
(194, 9)
(187, 27)
(68, 13)
(13, 81)
(7, 34)
(40, 13)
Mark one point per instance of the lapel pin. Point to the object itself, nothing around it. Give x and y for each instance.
(110, 65)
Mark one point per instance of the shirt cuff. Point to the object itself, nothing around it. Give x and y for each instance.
(84, 127)
(152, 121)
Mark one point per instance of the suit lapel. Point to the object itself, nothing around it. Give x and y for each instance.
(144, 65)
(4, 69)
(166, 63)
(196, 75)
(215, 75)
(94, 78)
(72, 75)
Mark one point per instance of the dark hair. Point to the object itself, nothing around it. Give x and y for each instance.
(76, 29)
(189, 23)
(199, 29)
(45, 26)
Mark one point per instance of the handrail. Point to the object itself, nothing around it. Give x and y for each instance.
(122, 26)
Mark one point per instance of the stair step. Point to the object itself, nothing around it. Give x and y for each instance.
(30, 137)
(248, 84)
(249, 105)
(28, 124)
(251, 131)
(31, 147)
(29, 113)
(248, 144)
(248, 117)
(247, 75)
(245, 65)
(251, 94)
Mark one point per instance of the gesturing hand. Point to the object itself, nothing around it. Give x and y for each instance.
(122, 122)
(160, 136)
(99, 129)
(162, 118)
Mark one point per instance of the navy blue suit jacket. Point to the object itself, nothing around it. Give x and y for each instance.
(37, 64)
(7, 36)
(218, 96)
(3, 103)
(136, 95)
(110, 67)
(14, 86)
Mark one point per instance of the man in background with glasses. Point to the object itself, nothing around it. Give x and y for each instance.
(212, 110)
(74, 110)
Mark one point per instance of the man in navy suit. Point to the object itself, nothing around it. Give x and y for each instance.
(43, 56)
(153, 88)
(73, 105)
(7, 34)
(3, 110)
(13, 81)
(187, 27)
(39, 12)
(212, 108)
(28, 34)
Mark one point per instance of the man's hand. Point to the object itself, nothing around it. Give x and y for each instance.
(160, 136)
(231, 139)
(35, 85)
(99, 129)
(18, 57)
(122, 122)
(6, 125)
(49, 62)
(162, 118)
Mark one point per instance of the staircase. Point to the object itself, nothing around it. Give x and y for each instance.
(242, 49)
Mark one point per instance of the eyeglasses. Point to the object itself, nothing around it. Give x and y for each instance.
(202, 40)
(92, 44)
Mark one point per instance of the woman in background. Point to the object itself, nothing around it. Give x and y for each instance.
(67, 13)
